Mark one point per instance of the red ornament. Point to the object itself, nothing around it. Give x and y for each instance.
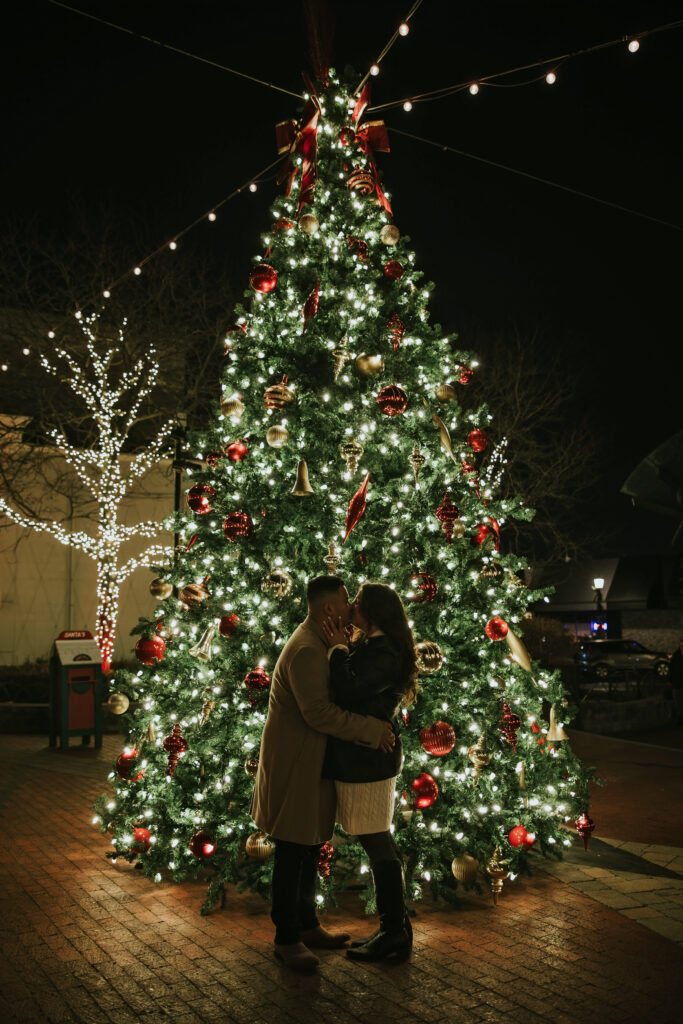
(427, 586)
(425, 789)
(517, 835)
(393, 270)
(447, 513)
(142, 839)
(311, 304)
(282, 225)
(477, 440)
(149, 650)
(346, 136)
(174, 745)
(236, 451)
(360, 246)
(263, 278)
(213, 458)
(192, 542)
(509, 724)
(193, 594)
(392, 400)
(202, 845)
(485, 532)
(405, 716)
(468, 468)
(256, 682)
(396, 329)
(584, 826)
(199, 498)
(228, 624)
(464, 375)
(237, 525)
(356, 507)
(325, 860)
(529, 840)
(126, 766)
(438, 739)
(496, 628)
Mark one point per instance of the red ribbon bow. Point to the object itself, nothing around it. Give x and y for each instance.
(301, 137)
(372, 136)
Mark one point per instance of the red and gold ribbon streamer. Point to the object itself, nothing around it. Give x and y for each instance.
(301, 137)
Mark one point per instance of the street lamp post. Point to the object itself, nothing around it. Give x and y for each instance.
(598, 623)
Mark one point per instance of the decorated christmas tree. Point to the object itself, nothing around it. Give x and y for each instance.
(346, 441)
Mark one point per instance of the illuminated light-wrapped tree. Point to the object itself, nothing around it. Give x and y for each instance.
(385, 430)
(113, 401)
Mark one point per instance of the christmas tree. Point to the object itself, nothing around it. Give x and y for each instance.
(346, 441)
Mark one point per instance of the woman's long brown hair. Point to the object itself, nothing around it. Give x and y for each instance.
(384, 610)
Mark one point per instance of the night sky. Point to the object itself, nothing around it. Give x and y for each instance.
(107, 118)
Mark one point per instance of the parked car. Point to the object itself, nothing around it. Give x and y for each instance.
(605, 658)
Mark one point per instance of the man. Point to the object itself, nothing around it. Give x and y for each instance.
(676, 681)
(292, 803)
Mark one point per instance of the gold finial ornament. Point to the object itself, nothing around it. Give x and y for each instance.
(331, 559)
(478, 758)
(207, 706)
(555, 732)
(302, 487)
(417, 461)
(497, 869)
(202, 650)
(351, 452)
(341, 356)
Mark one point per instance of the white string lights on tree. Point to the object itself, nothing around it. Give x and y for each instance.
(113, 406)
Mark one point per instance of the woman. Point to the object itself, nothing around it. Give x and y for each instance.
(374, 679)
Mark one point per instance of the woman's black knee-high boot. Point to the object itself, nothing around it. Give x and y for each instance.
(392, 939)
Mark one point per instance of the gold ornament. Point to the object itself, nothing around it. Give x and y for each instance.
(232, 408)
(555, 732)
(278, 395)
(302, 487)
(389, 234)
(492, 571)
(518, 651)
(497, 869)
(465, 868)
(277, 436)
(522, 779)
(118, 703)
(417, 461)
(361, 181)
(202, 650)
(207, 706)
(478, 758)
(341, 356)
(429, 657)
(446, 393)
(151, 735)
(251, 766)
(458, 528)
(444, 436)
(331, 559)
(515, 580)
(259, 846)
(192, 594)
(309, 224)
(278, 583)
(368, 366)
(161, 589)
(351, 452)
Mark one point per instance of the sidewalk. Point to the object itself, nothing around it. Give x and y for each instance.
(85, 941)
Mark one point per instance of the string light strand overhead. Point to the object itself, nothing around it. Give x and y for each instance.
(402, 31)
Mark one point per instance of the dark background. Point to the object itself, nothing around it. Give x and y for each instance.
(98, 119)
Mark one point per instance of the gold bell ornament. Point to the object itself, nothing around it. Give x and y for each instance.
(497, 868)
(302, 487)
(351, 452)
(555, 732)
(202, 650)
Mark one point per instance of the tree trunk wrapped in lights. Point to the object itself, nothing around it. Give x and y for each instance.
(113, 402)
(258, 529)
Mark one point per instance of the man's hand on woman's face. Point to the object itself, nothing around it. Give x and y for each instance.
(334, 630)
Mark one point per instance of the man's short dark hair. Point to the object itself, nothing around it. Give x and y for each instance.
(321, 587)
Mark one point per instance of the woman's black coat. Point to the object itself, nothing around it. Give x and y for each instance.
(369, 681)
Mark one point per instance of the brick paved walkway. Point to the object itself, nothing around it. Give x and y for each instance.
(85, 941)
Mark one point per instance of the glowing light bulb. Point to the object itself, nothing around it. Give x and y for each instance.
(374, 70)
(173, 245)
(551, 78)
(253, 186)
(137, 271)
(633, 46)
(403, 29)
(25, 351)
(474, 89)
(212, 216)
(407, 105)
(106, 293)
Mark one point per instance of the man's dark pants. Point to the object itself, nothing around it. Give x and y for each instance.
(295, 871)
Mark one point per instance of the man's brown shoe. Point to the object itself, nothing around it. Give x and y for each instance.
(318, 938)
(295, 956)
